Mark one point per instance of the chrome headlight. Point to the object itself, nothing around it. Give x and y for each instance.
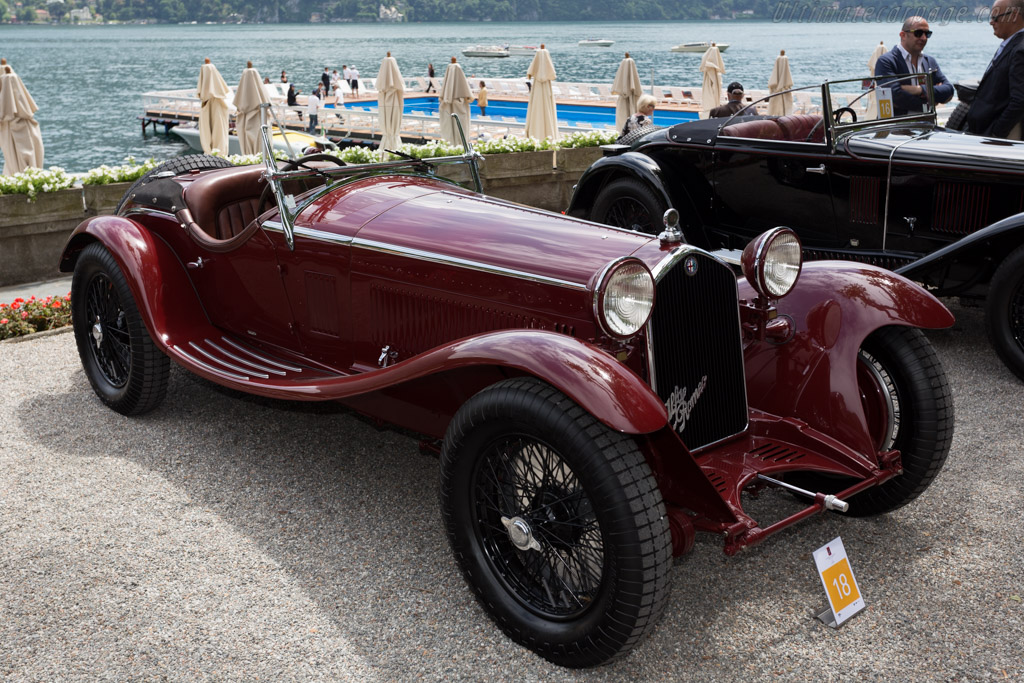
(772, 262)
(624, 297)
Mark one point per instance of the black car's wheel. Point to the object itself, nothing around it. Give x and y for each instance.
(909, 407)
(1004, 312)
(126, 369)
(177, 166)
(556, 522)
(629, 203)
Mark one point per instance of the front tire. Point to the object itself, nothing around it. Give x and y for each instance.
(909, 407)
(1004, 312)
(125, 368)
(556, 522)
(631, 204)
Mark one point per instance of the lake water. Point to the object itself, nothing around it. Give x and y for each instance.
(87, 80)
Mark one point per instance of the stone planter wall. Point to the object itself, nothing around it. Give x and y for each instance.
(32, 234)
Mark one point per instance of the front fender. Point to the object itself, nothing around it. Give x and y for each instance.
(977, 256)
(835, 306)
(161, 288)
(606, 169)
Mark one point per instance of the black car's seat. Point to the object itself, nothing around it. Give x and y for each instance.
(759, 129)
(795, 128)
(798, 126)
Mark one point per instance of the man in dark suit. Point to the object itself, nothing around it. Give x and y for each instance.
(732, 105)
(325, 78)
(910, 96)
(998, 105)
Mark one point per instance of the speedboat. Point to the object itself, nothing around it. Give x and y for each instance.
(698, 47)
(522, 50)
(596, 42)
(299, 140)
(486, 51)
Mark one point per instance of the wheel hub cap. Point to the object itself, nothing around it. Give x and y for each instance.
(97, 333)
(520, 533)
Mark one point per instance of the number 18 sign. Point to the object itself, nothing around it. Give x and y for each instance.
(844, 597)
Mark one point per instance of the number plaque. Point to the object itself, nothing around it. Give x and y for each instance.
(836, 574)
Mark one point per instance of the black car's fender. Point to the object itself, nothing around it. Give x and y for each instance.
(966, 266)
(607, 169)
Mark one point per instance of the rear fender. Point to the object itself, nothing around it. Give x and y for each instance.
(607, 169)
(160, 286)
(835, 306)
(976, 257)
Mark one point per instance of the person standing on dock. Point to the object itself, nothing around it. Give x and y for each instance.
(325, 78)
(354, 84)
(733, 105)
(909, 58)
(998, 107)
(430, 79)
(313, 110)
(481, 99)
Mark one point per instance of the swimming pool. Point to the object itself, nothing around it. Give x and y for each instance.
(597, 116)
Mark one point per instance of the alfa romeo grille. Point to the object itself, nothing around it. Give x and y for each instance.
(698, 352)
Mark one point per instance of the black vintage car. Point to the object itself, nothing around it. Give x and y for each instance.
(901, 192)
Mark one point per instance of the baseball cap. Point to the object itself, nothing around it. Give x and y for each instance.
(734, 87)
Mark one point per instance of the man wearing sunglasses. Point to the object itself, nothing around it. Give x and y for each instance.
(998, 106)
(911, 95)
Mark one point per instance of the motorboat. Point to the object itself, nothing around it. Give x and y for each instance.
(522, 50)
(701, 46)
(596, 42)
(486, 51)
(299, 140)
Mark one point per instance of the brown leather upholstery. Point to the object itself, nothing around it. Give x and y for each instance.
(761, 129)
(798, 126)
(795, 128)
(223, 203)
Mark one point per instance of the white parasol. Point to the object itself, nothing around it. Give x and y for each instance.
(541, 117)
(781, 79)
(627, 86)
(248, 98)
(712, 66)
(20, 141)
(390, 102)
(872, 109)
(213, 92)
(455, 98)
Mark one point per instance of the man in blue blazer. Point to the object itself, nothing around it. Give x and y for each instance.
(909, 96)
(998, 105)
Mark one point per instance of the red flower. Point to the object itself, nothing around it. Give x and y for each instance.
(24, 314)
(3, 321)
(19, 300)
(56, 304)
(15, 306)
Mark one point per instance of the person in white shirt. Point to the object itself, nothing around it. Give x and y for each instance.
(354, 82)
(313, 108)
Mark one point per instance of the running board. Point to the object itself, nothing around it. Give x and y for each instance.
(237, 362)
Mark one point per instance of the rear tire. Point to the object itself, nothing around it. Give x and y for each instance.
(177, 166)
(1004, 312)
(125, 368)
(629, 203)
(556, 522)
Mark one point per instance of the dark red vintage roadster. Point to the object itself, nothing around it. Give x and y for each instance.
(599, 395)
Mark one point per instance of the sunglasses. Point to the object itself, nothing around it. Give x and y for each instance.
(998, 17)
(918, 32)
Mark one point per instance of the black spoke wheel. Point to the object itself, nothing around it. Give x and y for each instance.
(556, 522)
(909, 406)
(1004, 312)
(629, 203)
(125, 368)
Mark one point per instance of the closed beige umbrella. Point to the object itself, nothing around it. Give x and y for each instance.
(541, 116)
(781, 79)
(455, 97)
(627, 87)
(20, 141)
(390, 103)
(248, 98)
(872, 110)
(213, 93)
(712, 66)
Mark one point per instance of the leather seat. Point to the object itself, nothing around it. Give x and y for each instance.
(224, 203)
(761, 129)
(798, 126)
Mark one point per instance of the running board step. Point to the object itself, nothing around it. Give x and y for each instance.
(235, 360)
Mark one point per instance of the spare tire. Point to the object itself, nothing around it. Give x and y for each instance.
(177, 166)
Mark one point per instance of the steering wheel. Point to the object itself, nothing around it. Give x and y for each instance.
(838, 114)
(304, 184)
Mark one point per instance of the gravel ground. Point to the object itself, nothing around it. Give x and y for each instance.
(229, 538)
